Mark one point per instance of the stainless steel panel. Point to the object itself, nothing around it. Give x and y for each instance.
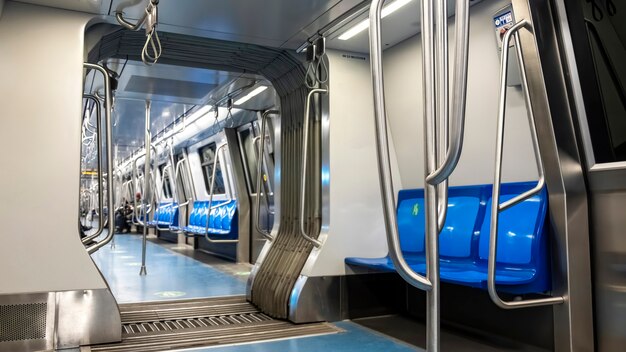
(243, 202)
(316, 299)
(86, 317)
(573, 323)
(14, 328)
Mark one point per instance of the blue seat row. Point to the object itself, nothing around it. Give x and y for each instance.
(165, 215)
(223, 221)
(522, 255)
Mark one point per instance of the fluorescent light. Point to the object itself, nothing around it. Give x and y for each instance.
(365, 24)
(200, 112)
(250, 95)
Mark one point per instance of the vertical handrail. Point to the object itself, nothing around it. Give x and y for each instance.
(384, 161)
(109, 155)
(305, 146)
(496, 207)
(218, 153)
(99, 146)
(441, 152)
(459, 92)
(448, 155)
(147, 178)
(257, 205)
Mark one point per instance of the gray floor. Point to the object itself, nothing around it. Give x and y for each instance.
(414, 332)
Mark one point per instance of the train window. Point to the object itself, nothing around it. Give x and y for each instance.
(165, 178)
(599, 40)
(207, 156)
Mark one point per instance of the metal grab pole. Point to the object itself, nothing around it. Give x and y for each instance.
(109, 155)
(147, 172)
(305, 147)
(459, 92)
(442, 107)
(99, 146)
(218, 152)
(496, 207)
(260, 160)
(384, 161)
(429, 58)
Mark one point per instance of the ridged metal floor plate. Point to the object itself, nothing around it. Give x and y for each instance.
(162, 326)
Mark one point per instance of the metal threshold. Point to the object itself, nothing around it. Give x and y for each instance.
(162, 326)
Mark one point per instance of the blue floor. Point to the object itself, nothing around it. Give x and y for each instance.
(175, 276)
(170, 275)
(355, 339)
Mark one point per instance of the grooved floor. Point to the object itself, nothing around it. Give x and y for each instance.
(163, 326)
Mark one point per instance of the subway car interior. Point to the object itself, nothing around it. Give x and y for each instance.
(313, 175)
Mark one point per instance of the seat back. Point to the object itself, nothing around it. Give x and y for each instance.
(520, 228)
(461, 224)
(223, 215)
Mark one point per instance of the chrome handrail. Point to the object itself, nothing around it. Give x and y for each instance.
(260, 160)
(147, 172)
(448, 155)
(156, 221)
(384, 161)
(109, 154)
(218, 153)
(496, 207)
(305, 146)
(178, 203)
(100, 229)
(438, 165)
(459, 92)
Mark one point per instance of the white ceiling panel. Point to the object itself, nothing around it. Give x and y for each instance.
(266, 22)
(396, 28)
(89, 6)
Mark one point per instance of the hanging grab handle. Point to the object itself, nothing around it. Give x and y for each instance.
(305, 147)
(109, 156)
(496, 207)
(257, 203)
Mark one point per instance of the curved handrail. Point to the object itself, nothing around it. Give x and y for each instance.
(136, 178)
(305, 146)
(384, 161)
(100, 229)
(178, 200)
(166, 170)
(453, 154)
(496, 207)
(109, 154)
(260, 159)
(218, 153)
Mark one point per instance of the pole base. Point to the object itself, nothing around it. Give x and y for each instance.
(143, 271)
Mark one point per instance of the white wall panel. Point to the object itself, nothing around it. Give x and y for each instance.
(355, 227)
(403, 75)
(41, 57)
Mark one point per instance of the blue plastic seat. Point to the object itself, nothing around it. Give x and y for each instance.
(522, 255)
(165, 215)
(223, 221)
